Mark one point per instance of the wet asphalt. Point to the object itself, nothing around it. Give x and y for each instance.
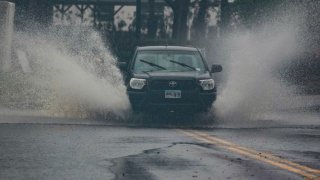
(58, 148)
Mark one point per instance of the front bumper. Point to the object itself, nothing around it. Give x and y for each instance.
(154, 101)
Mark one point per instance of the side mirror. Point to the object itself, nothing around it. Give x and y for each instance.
(216, 68)
(122, 65)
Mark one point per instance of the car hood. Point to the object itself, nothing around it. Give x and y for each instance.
(173, 75)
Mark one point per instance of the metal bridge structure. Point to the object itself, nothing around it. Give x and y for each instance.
(102, 11)
(105, 10)
(100, 14)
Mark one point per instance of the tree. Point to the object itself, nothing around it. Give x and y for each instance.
(253, 12)
(152, 20)
(180, 12)
(200, 21)
(138, 20)
(225, 15)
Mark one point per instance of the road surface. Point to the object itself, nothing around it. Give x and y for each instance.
(59, 148)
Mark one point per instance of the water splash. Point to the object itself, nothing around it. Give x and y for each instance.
(254, 61)
(73, 73)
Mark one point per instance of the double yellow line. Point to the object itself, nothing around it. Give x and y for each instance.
(306, 172)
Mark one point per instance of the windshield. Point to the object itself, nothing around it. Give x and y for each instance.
(173, 61)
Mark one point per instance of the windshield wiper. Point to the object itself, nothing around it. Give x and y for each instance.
(153, 64)
(183, 64)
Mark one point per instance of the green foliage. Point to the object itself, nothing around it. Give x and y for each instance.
(251, 12)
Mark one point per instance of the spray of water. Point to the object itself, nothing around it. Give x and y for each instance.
(72, 73)
(253, 65)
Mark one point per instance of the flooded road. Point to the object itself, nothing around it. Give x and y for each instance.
(59, 148)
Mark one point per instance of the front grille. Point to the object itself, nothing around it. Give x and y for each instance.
(180, 85)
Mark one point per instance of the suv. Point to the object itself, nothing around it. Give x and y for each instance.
(169, 78)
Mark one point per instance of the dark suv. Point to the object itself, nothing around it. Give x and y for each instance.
(169, 78)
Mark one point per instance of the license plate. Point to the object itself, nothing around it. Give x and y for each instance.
(173, 94)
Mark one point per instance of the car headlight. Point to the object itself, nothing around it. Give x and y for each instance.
(207, 84)
(137, 83)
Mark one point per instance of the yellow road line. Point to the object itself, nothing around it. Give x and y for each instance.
(262, 154)
(307, 172)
